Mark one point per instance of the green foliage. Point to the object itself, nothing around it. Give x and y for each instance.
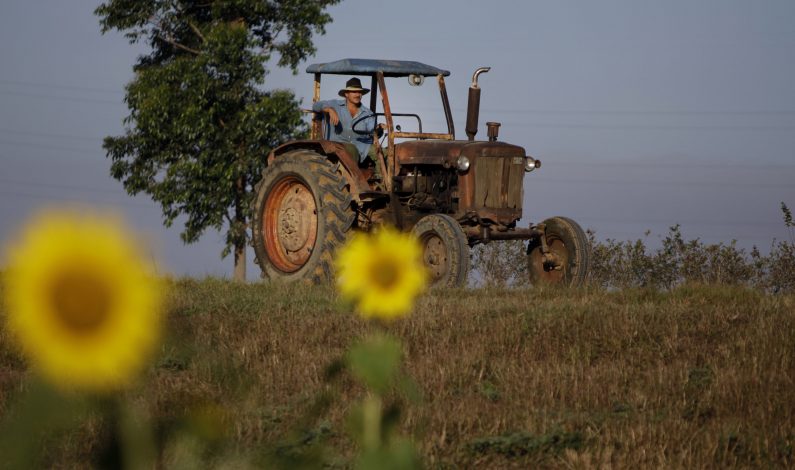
(40, 412)
(625, 264)
(622, 264)
(617, 264)
(787, 215)
(502, 264)
(375, 362)
(200, 126)
(397, 455)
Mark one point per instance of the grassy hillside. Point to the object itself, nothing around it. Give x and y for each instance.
(699, 376)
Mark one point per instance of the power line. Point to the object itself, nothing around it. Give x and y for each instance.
(707, 222)
(652, 127)
(44, 134)
(60, 186)
(64, 98)
(620, 112)
(60, 199)
(709, 239)
(667, 183)
(600, 220)
(49, 147)
(550, 161)
(752, 112)
(61, 86)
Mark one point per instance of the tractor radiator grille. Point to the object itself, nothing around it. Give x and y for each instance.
(498, 182)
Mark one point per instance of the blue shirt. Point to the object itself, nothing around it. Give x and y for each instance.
(342, 132)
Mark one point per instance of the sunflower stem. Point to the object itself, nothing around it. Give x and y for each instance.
(372, 422)
(135, 433)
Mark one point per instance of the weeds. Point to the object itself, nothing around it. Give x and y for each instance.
(700, 376)
(627, 264)
(686, 361)
(524, 443)
(617, 264)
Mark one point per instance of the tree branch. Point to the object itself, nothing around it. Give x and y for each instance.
(174, 43)
(157, 22)
(196, 30)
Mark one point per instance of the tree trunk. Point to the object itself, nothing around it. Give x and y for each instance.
(240, 262)
(240, 238)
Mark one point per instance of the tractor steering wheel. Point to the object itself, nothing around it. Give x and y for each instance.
(360, 119)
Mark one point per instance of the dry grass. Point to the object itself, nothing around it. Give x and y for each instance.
(701, 376)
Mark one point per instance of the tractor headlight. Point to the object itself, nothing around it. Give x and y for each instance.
(462, 163)
(531, 163)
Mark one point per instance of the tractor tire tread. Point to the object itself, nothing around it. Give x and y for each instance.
(334, 212)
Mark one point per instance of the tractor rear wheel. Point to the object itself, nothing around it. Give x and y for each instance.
(569, 256)
(445, 250)
(301, 214)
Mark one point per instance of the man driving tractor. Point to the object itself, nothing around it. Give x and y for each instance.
(342, 115)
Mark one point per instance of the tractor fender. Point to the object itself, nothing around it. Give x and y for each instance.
(336, 153)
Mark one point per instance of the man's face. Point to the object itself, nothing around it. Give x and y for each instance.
(354, 97)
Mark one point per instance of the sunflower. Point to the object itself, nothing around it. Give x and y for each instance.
(381, 273)
(83, 306)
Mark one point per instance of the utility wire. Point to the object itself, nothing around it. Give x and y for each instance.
(61, 86)
(655, 127)
(60, 199)
(54, 136)
(550, 161)
(49, 147)
(688, 222)
(64, 98)
(632, 181)
(739, 112)
(42, 184)
(618, 112)
(602, 220)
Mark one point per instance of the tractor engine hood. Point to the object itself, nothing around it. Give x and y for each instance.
(446, 152)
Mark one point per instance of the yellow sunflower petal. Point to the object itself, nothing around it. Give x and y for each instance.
(82, 304)
(381, 273)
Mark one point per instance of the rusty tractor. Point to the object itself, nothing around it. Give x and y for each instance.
(453, 194)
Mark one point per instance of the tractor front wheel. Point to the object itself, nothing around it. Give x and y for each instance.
(445, 250)
(301, 214)
(567, 259)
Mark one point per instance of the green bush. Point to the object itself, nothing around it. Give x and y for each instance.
(617, 264)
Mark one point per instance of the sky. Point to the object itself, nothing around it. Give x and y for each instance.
(644, 114)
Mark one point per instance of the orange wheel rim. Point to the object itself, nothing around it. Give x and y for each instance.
(289, 228)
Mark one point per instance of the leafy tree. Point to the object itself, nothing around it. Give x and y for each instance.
(200, 126)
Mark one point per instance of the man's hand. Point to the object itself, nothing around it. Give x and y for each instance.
(333, 118)
(380, 129)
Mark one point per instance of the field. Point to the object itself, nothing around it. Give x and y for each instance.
(701, 376)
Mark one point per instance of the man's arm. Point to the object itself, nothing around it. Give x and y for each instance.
(328, 108)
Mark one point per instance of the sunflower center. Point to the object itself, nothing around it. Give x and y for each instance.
(81, 300)
(385, 274)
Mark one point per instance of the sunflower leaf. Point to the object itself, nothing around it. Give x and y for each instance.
(375, 361)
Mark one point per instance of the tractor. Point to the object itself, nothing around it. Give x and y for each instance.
(452, 194)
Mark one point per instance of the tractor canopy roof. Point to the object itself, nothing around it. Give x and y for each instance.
(390, 68)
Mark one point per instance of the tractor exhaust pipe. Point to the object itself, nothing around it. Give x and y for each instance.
(473, 105)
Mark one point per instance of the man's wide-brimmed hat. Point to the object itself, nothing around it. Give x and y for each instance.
(354, 84)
